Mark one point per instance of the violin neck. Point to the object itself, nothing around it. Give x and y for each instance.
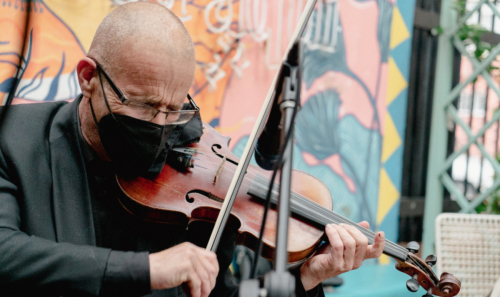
(317, 214)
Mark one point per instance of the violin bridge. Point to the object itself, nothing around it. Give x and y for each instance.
(219, 171)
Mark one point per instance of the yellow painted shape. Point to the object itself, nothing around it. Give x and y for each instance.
(391, 138)
(81, 16)
(396, 82)
(399, 32)
(384, 260)
(388, 195)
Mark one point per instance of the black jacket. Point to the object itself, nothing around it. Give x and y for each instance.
(47, 240)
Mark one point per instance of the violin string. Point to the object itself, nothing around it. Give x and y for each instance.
(390, 245)
(326, 213)
(218, 164)
(328, 216)
(416, 263)
(325, 217)
(200, 166)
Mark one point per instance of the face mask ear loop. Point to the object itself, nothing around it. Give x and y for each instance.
(104, 94)
(93, 114)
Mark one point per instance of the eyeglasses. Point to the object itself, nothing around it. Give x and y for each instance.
(147, 112)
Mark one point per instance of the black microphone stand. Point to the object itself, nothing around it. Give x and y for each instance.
(280, 282)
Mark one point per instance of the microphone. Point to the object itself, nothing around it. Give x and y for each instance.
(268, 145)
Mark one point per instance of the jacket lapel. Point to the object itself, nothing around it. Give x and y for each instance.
(71, 195)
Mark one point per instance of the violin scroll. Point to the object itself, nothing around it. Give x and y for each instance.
(420, 271)
(449, 284)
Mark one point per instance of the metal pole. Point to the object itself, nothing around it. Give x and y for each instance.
(438, 137)
(281, 259)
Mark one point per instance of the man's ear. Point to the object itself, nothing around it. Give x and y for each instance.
(85, 70)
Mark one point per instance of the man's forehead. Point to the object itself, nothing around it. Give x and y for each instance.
(155, 96)
(154, 87)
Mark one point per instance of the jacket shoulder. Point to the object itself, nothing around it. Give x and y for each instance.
(24, 124)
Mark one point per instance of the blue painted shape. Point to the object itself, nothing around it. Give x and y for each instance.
(345, 202)
(74, 87)
(374, 281)
(214, 123)
(55, 82)
(390, 224)
(240, 147)
(317, 126)
(38, 77)
(383, 29)
(397, 110)
(407, 9)
(321, 133)
(401, 55)
(394, 167)
(7, 84)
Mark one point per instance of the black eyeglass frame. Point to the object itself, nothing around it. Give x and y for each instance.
(123, 99)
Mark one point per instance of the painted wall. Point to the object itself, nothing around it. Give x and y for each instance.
(350, 129)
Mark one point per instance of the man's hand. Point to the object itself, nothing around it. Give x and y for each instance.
(347, 249)
(184, 263)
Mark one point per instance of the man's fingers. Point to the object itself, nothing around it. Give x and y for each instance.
(376, 249)
(204, 277)
(211, 268)
(349, 247)
(185, 264)
(337, 246)
(194, 285)
(364, 224)
(206, 287)
(206, 267)
(361, 245)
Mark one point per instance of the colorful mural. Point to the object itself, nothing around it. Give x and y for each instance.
(350, 129)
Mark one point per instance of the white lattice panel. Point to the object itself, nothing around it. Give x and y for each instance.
(468, 245)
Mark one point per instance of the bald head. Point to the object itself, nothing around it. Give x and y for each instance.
(148, 54)
(139, 28)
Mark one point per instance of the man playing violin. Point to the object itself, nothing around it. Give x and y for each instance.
(62, 230)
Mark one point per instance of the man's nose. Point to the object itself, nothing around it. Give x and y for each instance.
(160, 119)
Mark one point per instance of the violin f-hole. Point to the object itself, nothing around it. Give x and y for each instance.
(189, 199)
(218, 146)
(204, 193)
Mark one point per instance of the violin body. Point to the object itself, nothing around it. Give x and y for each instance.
(196, 193)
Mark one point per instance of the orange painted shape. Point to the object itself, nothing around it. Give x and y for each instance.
(13, 25)
(51, 38)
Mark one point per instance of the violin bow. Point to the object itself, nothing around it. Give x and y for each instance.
(234, 187)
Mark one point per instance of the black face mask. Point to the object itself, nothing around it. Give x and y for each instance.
(132, 145)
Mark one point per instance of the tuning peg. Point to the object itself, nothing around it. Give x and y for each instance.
(431, 260)
(429, 291)
(412, 285)
(413, 247)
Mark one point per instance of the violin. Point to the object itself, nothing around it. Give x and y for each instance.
(194, 182)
